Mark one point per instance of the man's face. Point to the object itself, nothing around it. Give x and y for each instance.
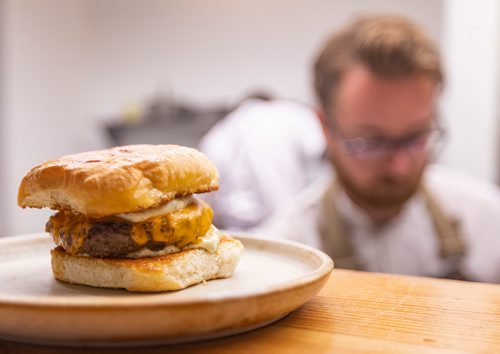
(391, 116)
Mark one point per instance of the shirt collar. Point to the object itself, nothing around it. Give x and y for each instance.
(357, 217)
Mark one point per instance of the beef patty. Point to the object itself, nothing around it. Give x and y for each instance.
(115, 237)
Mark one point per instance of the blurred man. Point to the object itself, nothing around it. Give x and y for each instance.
(377, 82)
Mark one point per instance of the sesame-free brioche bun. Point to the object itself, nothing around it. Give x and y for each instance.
(162, 273)
(118, 180)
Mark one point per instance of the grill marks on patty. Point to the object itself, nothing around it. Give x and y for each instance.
(114, 237)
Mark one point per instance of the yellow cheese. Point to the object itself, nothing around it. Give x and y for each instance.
(179, 228)
(209, 241)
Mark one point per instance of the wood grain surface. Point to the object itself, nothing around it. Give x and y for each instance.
(359, 312)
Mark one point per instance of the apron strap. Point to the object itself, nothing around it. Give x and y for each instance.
(334, 232)
(448, 232)
(335, 241)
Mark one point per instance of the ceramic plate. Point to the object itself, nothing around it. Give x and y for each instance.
(272, 279)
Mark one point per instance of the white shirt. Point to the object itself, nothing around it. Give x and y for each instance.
(408, 244)
(266, 152)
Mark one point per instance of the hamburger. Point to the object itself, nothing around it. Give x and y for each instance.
(127, 218)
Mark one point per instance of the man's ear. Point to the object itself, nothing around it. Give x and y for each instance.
(320, 114)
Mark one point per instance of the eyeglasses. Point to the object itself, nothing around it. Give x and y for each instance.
(375, 148)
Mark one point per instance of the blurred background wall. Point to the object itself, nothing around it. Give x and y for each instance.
(69, 66)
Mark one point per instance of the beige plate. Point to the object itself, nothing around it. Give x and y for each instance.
(272, 279)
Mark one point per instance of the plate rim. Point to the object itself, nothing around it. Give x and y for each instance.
(324, 269)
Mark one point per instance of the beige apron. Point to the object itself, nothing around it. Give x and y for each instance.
(334, 233)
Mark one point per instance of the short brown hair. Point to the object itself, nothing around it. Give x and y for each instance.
(389, 46)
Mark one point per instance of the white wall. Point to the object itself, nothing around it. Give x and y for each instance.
(217, 50)
(3, 133)
(471, 38)
(45, 73)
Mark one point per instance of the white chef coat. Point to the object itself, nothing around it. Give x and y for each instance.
(266, 153)
(407, 244)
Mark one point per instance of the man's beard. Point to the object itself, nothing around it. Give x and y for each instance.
(383, 191)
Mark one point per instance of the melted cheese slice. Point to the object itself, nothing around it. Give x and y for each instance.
(209, 241)
(171, 206)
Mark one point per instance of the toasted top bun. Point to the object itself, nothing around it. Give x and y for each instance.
(118, 180)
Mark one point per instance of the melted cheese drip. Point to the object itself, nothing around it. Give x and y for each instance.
(171, 206)
(209, 241)
(63, 224)
(178, 228)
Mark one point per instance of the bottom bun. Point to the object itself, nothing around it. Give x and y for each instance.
(163, 273)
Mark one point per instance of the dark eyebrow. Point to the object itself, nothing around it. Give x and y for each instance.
(370, 130)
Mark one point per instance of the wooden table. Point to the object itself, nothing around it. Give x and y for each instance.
(359, 312)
